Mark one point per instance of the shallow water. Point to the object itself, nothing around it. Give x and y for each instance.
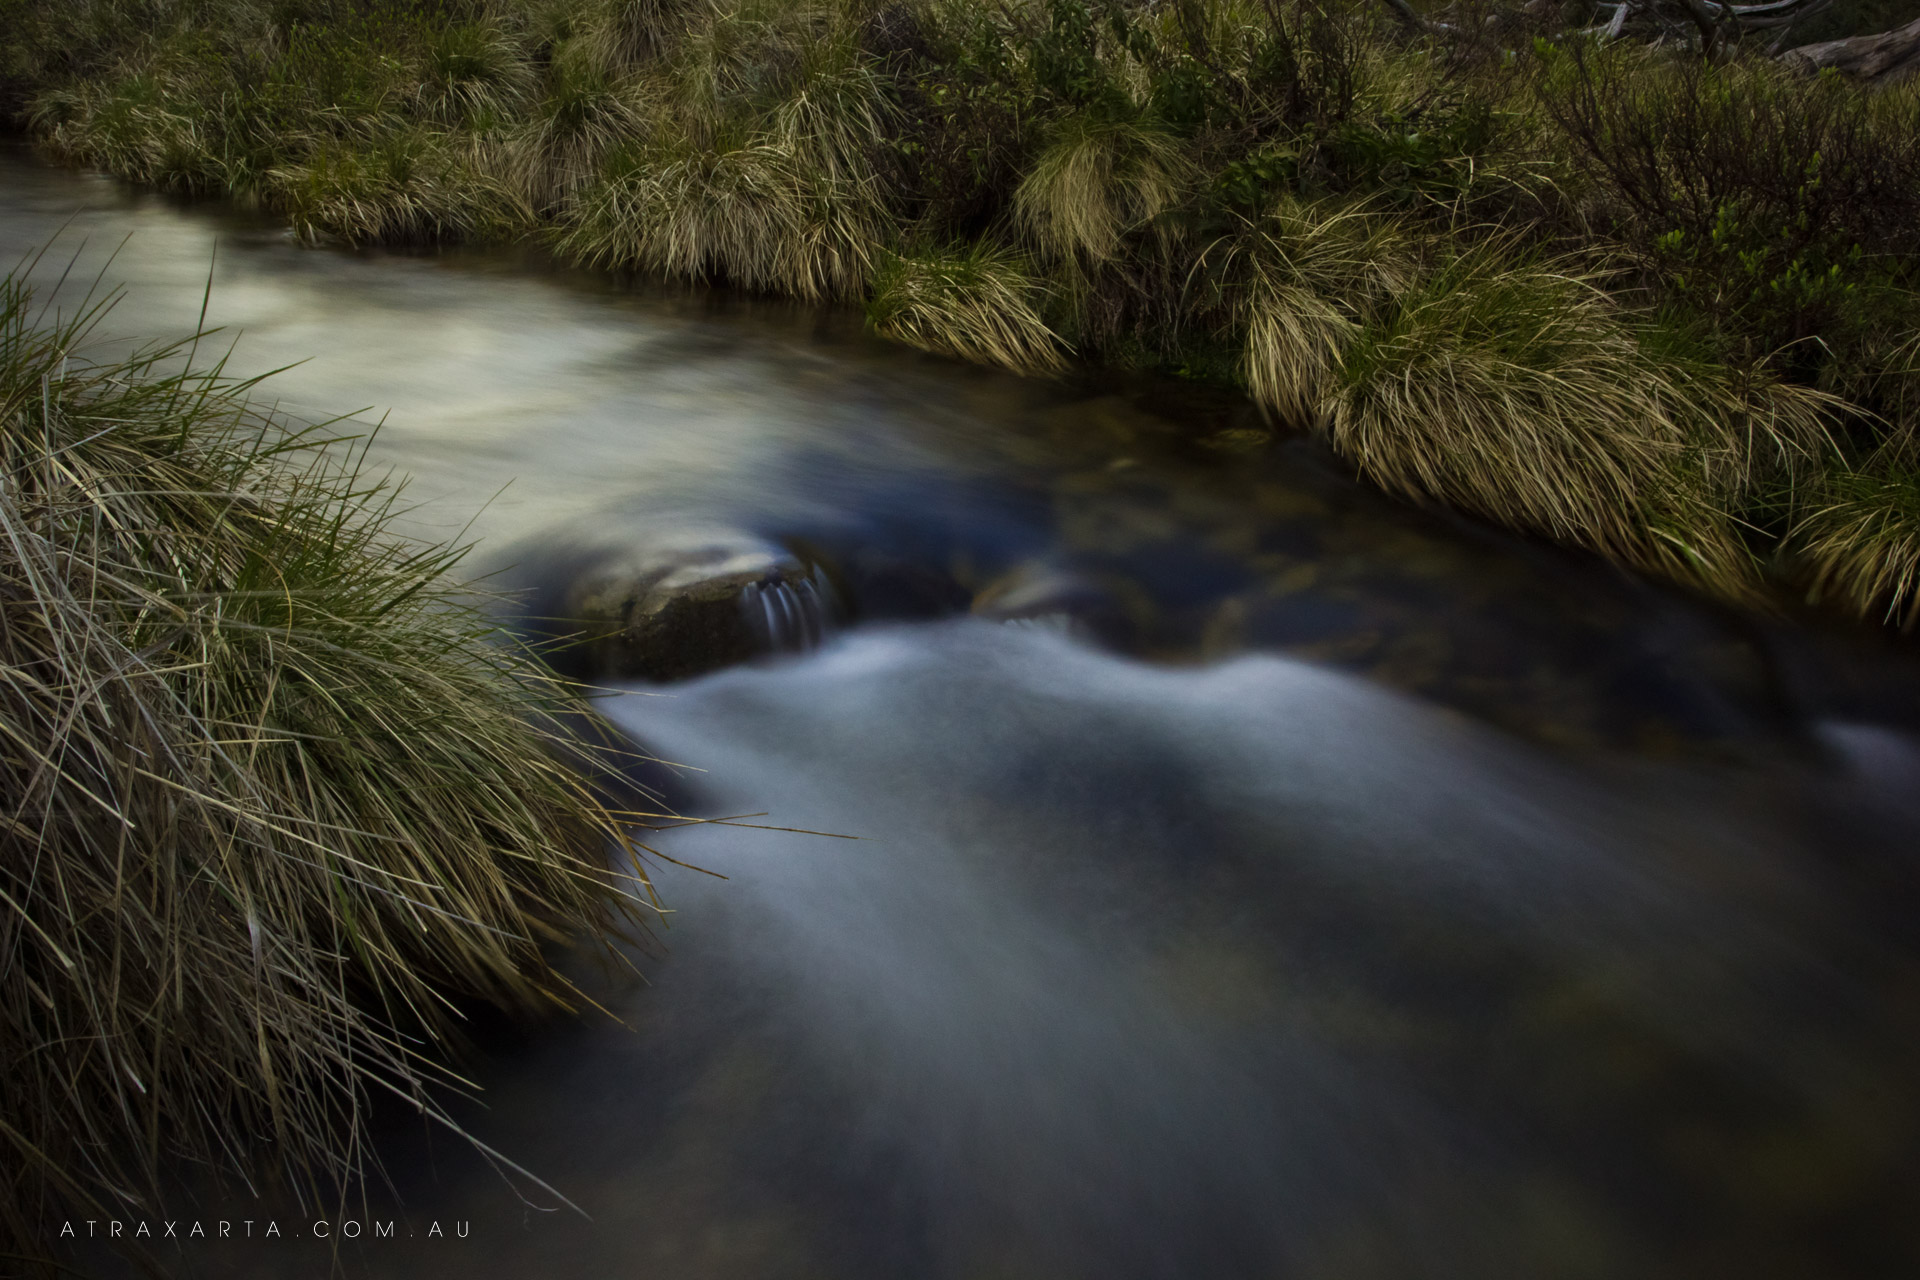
(1366, 894)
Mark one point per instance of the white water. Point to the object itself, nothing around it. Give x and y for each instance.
(790, 617)
(1245, 970)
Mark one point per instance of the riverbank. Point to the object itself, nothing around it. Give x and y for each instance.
(1657, 308)
(279, 797)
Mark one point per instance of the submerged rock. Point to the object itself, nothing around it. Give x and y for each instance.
(1048, 595)
(693, 604)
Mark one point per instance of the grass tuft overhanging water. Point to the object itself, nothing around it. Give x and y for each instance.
(279, 798)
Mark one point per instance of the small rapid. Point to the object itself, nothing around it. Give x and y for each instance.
(790, 617)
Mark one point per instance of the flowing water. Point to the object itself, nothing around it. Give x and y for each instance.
(1253, 876)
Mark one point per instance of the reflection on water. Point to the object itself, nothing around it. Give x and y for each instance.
(1162, 952)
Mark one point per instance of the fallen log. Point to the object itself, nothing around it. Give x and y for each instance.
(1891, 55)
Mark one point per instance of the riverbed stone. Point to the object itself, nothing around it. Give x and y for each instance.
(1081, 604)
(675, 609)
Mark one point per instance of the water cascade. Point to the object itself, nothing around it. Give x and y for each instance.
(790, 617)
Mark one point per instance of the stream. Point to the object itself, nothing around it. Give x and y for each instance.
(1289, 882)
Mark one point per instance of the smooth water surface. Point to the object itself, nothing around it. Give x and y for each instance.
(1368, 895)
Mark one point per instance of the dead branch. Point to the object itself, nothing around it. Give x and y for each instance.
(1891, 55)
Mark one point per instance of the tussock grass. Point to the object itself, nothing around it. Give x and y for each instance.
(623, 33)
(1859, 540)
(275, 795)
(837, 118)
(747, 213)
(474, 74)
(586, 113)
(979, 304)
(1300, 282)
(411, 186)
(758, 166)
(1096, 182)
(1518, 390)
(142, 128)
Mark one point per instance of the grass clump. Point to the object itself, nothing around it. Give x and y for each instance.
(148, 127)
(746, 212)
(585, 114)
(1095, 182)
(1860, 540)
(405, 187)
(276, 797)
(1296, 284)
(1494, 380)
(473, 74)
(978, 304)
(1342, 206)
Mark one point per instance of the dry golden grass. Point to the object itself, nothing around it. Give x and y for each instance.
(1300, 282)
(144, 128)
(1859, 540)
(978, 303)
(587, 112)
(405, 186)
(1096, 182)
(1520, 391)
(474, 74)
(745, 213)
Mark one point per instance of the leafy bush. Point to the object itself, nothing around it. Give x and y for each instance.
(1781, 214)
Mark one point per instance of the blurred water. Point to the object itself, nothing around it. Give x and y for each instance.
(1543, 925)
(503, 383)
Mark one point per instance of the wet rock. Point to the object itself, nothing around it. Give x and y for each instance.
(1047, 595)
(693, 604)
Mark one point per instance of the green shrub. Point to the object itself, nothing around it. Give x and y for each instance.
(1783, 213)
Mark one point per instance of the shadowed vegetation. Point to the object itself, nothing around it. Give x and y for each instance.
(276, 796)
(1860, 536)
(979, 304)
(1639, 300)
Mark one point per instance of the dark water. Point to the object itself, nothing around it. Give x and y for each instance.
(1357, 893)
